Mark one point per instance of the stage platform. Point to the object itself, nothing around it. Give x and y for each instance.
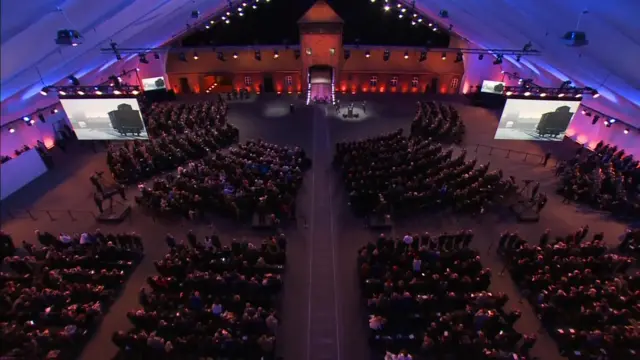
(115, 214)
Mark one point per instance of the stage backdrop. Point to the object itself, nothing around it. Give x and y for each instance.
(20, 171)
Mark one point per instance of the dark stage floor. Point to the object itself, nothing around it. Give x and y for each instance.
(321, 311)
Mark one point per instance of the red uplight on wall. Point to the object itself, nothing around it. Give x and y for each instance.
(364, 89)
(393, 89)
(381, 89)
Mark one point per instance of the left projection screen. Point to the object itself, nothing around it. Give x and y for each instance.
(105, 118)
(532, 119)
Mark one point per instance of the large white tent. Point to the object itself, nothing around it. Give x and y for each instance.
(30, 58)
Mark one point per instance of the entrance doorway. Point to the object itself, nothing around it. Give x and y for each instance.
(268, 83)
(434, 85)
(184, 86)
(321, 78)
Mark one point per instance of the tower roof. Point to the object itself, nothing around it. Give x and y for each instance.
(320, 12)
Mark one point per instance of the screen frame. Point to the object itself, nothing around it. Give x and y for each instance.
(574, 108)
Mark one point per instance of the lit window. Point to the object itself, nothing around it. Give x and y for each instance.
(308, 51)
(248, 81)
(288, 80)
(394, 81)
(414, 82)
(332, 51)
(373, 81)
(454, 84)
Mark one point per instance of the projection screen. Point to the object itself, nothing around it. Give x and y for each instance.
(492, 87)
(155, 83)
(533, 119)
(105, 118)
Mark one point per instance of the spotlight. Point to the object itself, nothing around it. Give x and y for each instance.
(481, 56)
(584, 112)
(117, 92)
(347, 54)
(459, 57)
(498, 60)
(62, 92)
(406, 55)
(80, 92)
(595, 119)
(367, 54)
(435, 28)
(54, 111)
(44, 91)
(31, 122)
(227, 21)
(612, 120)
(26, 118)
(207, 27)
(561, 95)
(143, 59)
(98, 92)
(12, 130)
(387, 8)
(607, 123)
(74, 80)
(258, 56)
(195, 56)
(221, 56)
(578, 95)
(296, 54)
(241, 13)
(626, 131)
(400, 16)
(386, 55)
(156, 56)
(509, 93)
(423, 56)
(182, 57)
(596, 94)
(543, 94)
(135, 92)
(444, 56)
(275, 54)
(235, 55)
(527, 93)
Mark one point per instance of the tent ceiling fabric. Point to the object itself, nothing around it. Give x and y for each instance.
(607, 63)
(29, 29)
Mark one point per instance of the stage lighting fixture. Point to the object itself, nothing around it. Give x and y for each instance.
(561, 95)
(41, 117)
(406, 55)
(257, 55)
(12, 130)
(459, 57)
(143, 59)
(54, 111)
(275, 54)
(156, 56)
(373, 1)
(543, 94)
(80, 92)
(612, 120)
(367, 54)
(254, 6)
(235, 55)
(400, 16)
(117, 92)
(509, 93)
(596, 94)
(444, 14)
(115, 81)
(241, 13)
(626, 131)
(518, 58)
(221, 56)
(578, 95)
(227, 21)
(62, 92)
(26, 118)
(195, 56)
(44, 91)
(74, 80)
(527, 93)
(386, 55)
(423, 56)
(182, 57)
(435, 28)
(481, 56)
(114, 47)
(607, 123)
(296, 54)
(135, 92)
(347, 54)
(595, 119)
(498, 60)
(31, 122)
(444, 56)
(527, 47)
(98, 92)
(195, 14)
(387, 7)
(207, 27)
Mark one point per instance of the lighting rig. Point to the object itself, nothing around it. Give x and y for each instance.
(606, 119)
(527, 88)
(408, 10)
(113, 86)
(30, 119)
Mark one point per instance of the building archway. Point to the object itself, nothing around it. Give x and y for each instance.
(321, 83)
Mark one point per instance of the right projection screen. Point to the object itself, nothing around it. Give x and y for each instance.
(543, 120)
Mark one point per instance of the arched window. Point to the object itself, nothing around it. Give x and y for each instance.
(455, 82)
